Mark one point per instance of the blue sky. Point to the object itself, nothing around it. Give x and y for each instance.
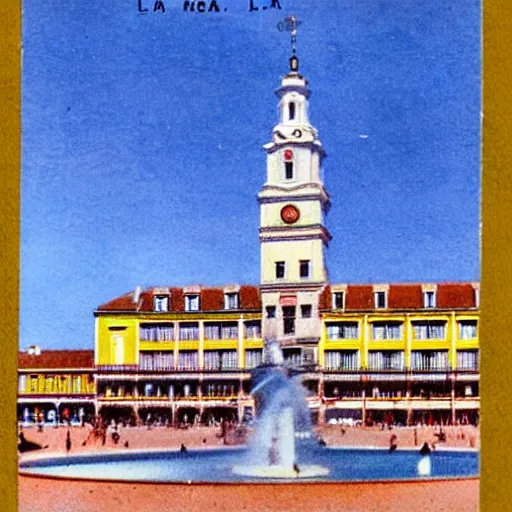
(142, 146)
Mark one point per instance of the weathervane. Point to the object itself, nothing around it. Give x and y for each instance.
(290, 24)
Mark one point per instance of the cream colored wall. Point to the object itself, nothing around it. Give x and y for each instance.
(291, 252)
(305, 167)
(304, 327)
(301, 109)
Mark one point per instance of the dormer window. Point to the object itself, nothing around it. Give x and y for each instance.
(380, 299)
(288, 164)
(291, 111)
(477, 297)
(192, 302)
(161, 303)
(231, 301)
(429, 299)
(338, 300)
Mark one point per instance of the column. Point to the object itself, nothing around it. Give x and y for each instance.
(240, 350)
(176, 343)
(408, 342)
(366, 337)
(200, 355)
(452, 355)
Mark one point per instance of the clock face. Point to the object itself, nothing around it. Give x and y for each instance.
(290, 214)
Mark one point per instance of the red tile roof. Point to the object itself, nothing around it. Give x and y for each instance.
(211, 299)
(358, 297)
(325, 301)
(57, 359)
(250, 297)
(456, 296)
(405, 296)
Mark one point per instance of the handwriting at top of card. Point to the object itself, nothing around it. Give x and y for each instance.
(159, 6)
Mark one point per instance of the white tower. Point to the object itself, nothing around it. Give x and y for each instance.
(293, 204)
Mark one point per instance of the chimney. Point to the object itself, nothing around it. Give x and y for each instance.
(136, 294)
(34, 350)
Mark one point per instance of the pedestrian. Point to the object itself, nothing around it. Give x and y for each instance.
(183, 448)
(68, 442)
(392, 443)
(425, 449)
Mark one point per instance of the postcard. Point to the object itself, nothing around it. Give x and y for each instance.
(250, 255)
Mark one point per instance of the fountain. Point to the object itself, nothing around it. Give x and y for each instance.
(283, 423)
(282, 449)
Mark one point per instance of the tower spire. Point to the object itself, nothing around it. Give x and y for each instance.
(292, 22)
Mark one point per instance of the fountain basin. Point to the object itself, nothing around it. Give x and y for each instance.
(227, 466)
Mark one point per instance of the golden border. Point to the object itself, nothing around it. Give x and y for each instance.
(497, 250)
(10, 20)
(496, 298)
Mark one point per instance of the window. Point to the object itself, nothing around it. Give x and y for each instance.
(341, 360)
(291, 111)
(231, 301)
(338, 300)
(467, 359)
(22, 383)
(253, 358)
(187, 360)
(156, 361)
(253, 330)
(429, 299)
(467, 329)
(423, 360)
(288, 164)
(221, 331)
(161, 303)
(288, 170)
(148, 390)
(156, 332)
(280, 269)
(191, 302)
(305, 311)
(292, 356)
(77, 384)
(219, 360)
(477, 297)
(433, 330)
(380, 299)
(304, 268)
(343, 331)
(189, 331)
(289, 319)
(386, 360)
(387, 331)
(271, 311)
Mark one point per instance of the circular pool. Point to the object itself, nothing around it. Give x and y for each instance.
(217, 466)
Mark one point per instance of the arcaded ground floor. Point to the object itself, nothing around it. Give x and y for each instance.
(40, 495)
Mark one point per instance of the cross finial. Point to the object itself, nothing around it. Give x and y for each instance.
(290, 24)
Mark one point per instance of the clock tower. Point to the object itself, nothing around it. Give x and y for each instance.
(293, 204)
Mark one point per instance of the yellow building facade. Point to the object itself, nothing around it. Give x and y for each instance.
(389, 352)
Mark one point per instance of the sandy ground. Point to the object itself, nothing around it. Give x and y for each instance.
(161, 437)
(38, 494)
